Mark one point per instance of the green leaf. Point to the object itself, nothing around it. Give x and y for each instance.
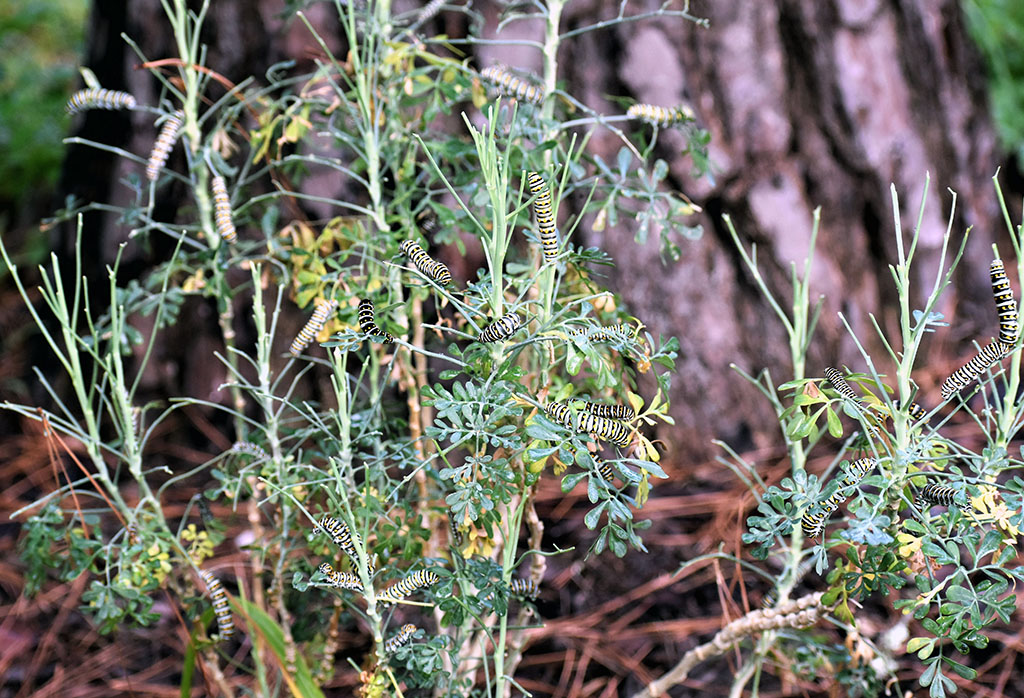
(922, 645)
(835, 426)
(301, 682)
(964, 671)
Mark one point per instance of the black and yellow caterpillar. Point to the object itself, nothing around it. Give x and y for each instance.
(524, 587)
(99, 98)
(400, 638)
(605, 429)
(368, 326)
(660, 116)
(427, 266)
(316, 322)
(1006, 306)
(961, 377)
(598, 409)
(512, 86)
(163, 145)
(219, 597)
(222, 210)
(340, 580)
(398, 591)
(814, 520)
(546, 230)
(502, 328)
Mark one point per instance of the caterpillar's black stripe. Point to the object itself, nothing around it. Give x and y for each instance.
(524, 587)
(221, 608)
(961, 377)
(313, 327)
(164, 143)
(222, 210)
(943, 495)
(1006, 306)
(368, 326)
(402, 637)
(598, 409)
(660, 116)
(512, 86)
(341, 580)
(427, 266)
(99, 98)
(605, 429)
(814, 520)
(417, 580)
(500, 329)
(546, 229)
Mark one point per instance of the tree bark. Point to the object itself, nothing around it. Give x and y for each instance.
(809, 104)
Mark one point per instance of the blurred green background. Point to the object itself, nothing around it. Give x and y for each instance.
(41, 44)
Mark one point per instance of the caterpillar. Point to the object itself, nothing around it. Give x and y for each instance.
(605, 429)
(524, 587)
(250, 449)
(1006, 306)
(545, 218)
(916, 412)
(606, 471)
(943, 495)
(401, 638)
(132, 533)
(814, 519)
(601, 334)
(990, 354)
(164, 143)
(99, 98)
(512, 86)
(341, 536)
(222, 210)
(500, 329)
(225, 623)
(835, 378)
(609, 411)
(426, 266)
(660, 116)
(427, 221)
(316, 322)
(456, 532)
(368, 326)
(340, 580)
(417, 580)
(429, 11)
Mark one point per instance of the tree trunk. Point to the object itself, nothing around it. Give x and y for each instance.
(809, 104)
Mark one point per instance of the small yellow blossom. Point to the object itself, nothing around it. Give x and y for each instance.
(477, 543)
(909, 544)
(991, 507)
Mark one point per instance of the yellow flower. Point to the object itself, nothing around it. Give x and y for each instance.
(909, 544)
(477, 543)
(991, 507)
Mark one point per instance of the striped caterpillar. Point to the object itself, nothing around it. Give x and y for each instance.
(99, 98)
(164, 143)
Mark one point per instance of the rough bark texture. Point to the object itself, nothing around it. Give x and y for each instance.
(809, 104)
